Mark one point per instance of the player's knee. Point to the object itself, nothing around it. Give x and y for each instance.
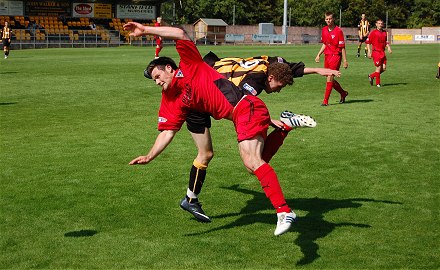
(205, 156)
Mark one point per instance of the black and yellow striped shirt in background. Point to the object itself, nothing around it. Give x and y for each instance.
(6, 33)
(364, 28)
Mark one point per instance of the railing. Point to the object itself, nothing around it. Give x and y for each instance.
(26, 39)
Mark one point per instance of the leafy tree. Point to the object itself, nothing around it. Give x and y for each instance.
(401, 13)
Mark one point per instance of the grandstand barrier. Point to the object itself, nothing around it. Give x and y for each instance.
(269, 38)
(306, 38)
(234, 38)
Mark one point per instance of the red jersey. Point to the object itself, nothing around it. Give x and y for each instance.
(333, 40)
(194, 87)
(378, 39)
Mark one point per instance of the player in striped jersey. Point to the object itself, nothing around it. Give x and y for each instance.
(6, 38)
(364, 30)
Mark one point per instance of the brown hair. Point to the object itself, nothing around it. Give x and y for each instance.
(281, 72)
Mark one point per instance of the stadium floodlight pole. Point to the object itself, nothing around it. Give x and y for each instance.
(340, 16)
(285, 22)
(233, 16)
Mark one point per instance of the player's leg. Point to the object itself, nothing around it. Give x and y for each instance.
(251, 120)
(273, 142)
(438, 71)
(158, 47)
(329, 81)
(359, 48)
(205, 153)
(198, 124)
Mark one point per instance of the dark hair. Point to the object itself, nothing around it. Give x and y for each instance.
(329, 13)
(281, 72)
(160, 62)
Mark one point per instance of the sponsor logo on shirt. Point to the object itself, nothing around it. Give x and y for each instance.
(333, 36)
(162, 119)
(280, 60)
(179, 74)
(249, 88)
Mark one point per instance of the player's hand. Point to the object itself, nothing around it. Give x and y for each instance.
(389, 50)
(317, 59)
(345, 64)
(329, 72)
(135, 28)
(141, 160)
(369, 55)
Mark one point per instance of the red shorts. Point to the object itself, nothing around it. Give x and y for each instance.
(251, 118)
(332, 61)
(379, 58)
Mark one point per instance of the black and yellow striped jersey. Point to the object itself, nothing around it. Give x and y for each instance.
(250, 74)
(6, 33)
(363, 28)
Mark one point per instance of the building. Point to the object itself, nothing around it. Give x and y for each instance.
(210, 31)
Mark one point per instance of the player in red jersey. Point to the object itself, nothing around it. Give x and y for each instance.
(333, 46)
(379, 41)
(158, 39)
(254, 75)
(196, 86)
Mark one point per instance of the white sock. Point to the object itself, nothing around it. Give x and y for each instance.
(191, 194)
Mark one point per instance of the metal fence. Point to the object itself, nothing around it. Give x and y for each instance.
(26, 39)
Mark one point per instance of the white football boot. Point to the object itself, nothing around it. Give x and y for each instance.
(284, 222)
(297, 120)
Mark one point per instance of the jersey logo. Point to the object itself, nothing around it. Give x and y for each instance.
(179, 74)
(162, 119)
(333, 36)
(280, 59)
(250, 89)
(249, 64)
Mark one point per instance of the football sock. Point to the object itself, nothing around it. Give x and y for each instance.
(338, 87)
(328, 91)
(359, 48)
(272, 143)
(157, 51)
(271, 187)
(196, 179)
(377, 78)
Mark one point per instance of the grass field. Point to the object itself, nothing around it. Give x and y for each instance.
(364, 182)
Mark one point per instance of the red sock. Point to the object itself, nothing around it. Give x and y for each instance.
(338, 87)
(157, 52)
(328, 91)
(377, 78)
(273, 143)
(269, 182)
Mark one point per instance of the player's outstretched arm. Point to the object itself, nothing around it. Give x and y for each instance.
(167, 32)
(322, 71)
(162, 141)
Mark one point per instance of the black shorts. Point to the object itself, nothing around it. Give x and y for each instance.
(6, 42)
(196, 122)
(363, 39)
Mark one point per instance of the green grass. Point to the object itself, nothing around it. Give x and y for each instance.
(364, 182)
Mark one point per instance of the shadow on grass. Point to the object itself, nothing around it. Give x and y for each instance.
(81, 233)
(393, 84)
(310, 227)
(7, 103)
(8, 72)
(358, 101)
